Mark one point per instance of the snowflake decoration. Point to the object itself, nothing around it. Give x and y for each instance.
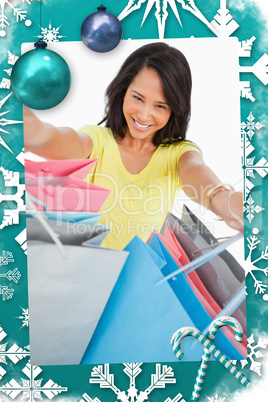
(12, 58)
(222, 25)
(161, 13)
(251, 209)
(254, 352)
(6, 82)
(245, 51)
(19, 14)
(50, 34)
(251, 126)
(24, 317)
(252, 242)
(12, 275)
(248, 130)
(32, 389)
(5, 291)
(22, 240)
(6, 258)
(20, 157)
(259, 69)
(101, 375)
(245, 90)
(245, 47)
(14, 353)
(11, 216)
(4, 122)
(216, 398)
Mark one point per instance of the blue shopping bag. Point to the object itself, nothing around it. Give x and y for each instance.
(90, 218)
(140, 317)
(190, 301)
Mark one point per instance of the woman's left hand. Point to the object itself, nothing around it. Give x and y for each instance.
(196, 177)
(229, 206)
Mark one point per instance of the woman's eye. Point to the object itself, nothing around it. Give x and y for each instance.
(138, 98)
(161, 107)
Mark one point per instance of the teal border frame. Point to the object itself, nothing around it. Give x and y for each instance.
(14, 337)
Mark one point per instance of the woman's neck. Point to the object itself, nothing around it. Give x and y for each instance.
(135, 144)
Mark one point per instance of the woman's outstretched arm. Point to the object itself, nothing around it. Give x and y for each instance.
(198, 179)
(52, 142)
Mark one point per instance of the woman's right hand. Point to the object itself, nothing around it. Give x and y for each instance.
(52, 142)
(32, 128)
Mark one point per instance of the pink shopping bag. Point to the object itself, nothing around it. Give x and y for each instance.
(58, 185)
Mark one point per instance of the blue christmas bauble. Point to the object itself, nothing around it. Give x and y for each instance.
(101, 31)
(40, 78)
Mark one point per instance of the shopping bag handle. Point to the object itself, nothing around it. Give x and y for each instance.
(39, 183)
(35, 200)
(202, 259)
(43, 221)
(231, 306)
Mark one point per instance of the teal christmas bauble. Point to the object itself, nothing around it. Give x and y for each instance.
(40, 78)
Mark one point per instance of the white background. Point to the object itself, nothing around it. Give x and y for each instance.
(215, 117)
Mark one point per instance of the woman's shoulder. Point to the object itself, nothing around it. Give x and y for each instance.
(101, 137)
(181, 146)
(98, 134)
(91, 129)
(173, 152)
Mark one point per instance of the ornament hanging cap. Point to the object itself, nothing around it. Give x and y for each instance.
(101, 8)
(40, 44)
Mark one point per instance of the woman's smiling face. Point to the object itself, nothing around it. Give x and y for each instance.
(145, 107)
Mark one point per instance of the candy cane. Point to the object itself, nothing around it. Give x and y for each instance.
(214, 327)
(179, 335)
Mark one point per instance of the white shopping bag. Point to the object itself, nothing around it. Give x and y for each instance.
(68, 290)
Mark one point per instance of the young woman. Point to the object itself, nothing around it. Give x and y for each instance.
(142, 153)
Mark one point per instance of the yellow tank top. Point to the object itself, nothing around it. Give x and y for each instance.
(138, 203)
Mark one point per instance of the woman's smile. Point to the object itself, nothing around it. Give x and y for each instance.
(139, 126)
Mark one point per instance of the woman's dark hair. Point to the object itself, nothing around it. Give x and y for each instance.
(174, 71)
